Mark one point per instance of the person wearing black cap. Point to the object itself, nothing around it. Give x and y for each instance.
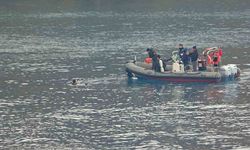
(74, 82)
(194, 57)
(150, 52)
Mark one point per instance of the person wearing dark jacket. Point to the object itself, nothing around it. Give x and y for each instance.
(181, 50)
(194, 57)
(150, 52)
(183, 54)
(154, 62)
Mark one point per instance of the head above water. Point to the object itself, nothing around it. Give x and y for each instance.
(74, 82)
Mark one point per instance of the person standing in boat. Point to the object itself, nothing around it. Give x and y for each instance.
(160, 67)
(151, 52)
(181, 49)
(217, 57)
(183, 54)
(194, 57)
(155, 61)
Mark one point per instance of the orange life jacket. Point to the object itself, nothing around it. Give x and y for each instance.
(148, 60)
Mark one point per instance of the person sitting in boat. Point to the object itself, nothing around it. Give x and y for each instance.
(193, 54)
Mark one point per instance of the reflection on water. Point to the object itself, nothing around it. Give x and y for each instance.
(188, 91)
(44, 45)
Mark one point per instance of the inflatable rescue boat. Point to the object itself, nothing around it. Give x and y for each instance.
(207, 73)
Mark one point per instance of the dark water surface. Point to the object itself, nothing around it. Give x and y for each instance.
(44, 44)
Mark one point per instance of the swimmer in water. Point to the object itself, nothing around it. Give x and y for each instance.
(74, 82)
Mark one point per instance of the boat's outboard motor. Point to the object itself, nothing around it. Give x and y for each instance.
(229, 71)
(225, 71)
(233, 69)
